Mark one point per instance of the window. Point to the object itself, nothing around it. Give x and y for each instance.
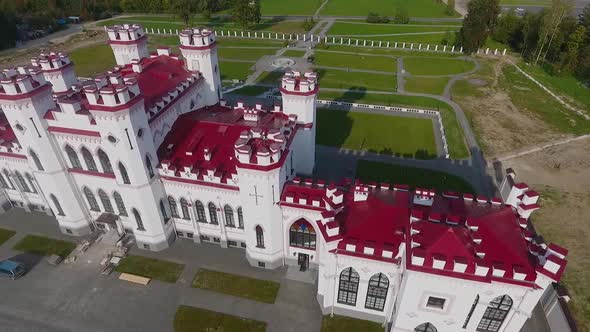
(425, 327)
(36, 160)
(60, 211)
(377, 292)
(124, 174)
(89, 160)
(302, 234)
(243, 244)
(21, 181)
(259, 237)
(3, 182)
(31, 180)
(146, 246)
(105, 162)
(173, 207)
(91, 199)
(495, 314)
(180, 234)
(163, 210)
(200, 211)
(216, 239)
(7, 174)
(120, 204)
(229, 216)
(213, 213)
(348, 286)
(204, 238)
(138, 220)
(240, 218)
(73, 156)
(106, 201)
(190, 235)
(148, 165)
(261, 264)
(184, 208)
(232, 243)
(435, 302)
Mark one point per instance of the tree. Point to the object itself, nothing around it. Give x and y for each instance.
(573, 45)
(450, 10)
(549, 27)
(184, 9)
(8, 28)
(506, 27)
(585, 21)
(246, 12)
(477, 24)
(401, 16)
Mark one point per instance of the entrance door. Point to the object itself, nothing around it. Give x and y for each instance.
(303, 261)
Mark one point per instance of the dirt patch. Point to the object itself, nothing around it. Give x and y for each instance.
(477, 82)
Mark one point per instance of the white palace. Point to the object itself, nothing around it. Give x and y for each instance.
(150, 149)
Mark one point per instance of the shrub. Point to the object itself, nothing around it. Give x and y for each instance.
(376, 18)
(401, 16)
(308, 24)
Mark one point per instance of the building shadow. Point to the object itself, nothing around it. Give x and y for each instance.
(29, 260)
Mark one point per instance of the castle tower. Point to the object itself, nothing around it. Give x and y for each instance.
(57, 70)
(128, 42)
(26, 98)
(299, 95)
(199, 48)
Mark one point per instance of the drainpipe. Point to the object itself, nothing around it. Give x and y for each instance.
(335, 274)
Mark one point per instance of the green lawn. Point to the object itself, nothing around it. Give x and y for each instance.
(5, 234)
(270, 77)
(251, 90)
(388, 51)
(339, 79)
(436, 38)
(151, 268)
(44, 246)
(376, 133)
(234, 70)
(294, 53)
(93, 60)
(415, 8)
(356, 61)
(191, 319)
(227, 283)
(244, 53)
(545, 3)
(362, 28)
(431, 85)
(414, 177)
(436, 66)
(224, 42)
(289, 7)
(348, 324)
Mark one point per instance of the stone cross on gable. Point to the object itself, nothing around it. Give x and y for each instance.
(255, 194)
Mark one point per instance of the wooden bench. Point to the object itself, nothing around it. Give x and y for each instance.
(134, 278)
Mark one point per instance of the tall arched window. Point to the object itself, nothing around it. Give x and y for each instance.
(148, 165)
(200, 211)
(138, 220)
(8, 179)
(106, 201)
(164, 212)
(173, 207)
(124, 174)
(21, 181)
(229, 216)
(73, 156)
(495, 314)
(240, 218)
(105, 162)
(91, 199)
(377, 292)
(60, 211)
(425, 327)
(302, 234)
(89, 160)
(213, 213)
(259, 237)
(31, 180)
(184, 208)
(36, 160)
(120, 204)
(3, 182)
(348, 286)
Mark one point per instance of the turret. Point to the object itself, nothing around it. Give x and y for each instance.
(128, 42)
(57, 69)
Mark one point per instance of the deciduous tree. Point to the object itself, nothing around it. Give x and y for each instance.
(478, 24)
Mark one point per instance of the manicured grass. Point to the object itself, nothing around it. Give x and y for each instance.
(435, 38)
(251, 90)
(44, 246)
(376, 133)
(272, 77)
(388, 51)
(415, 8)
(289, 7)
(294, 53)
(225, 42)
(436, 66)
(234, 70)
(361, 28)
(231, 284)
(545, 3)
(151, 268)
(5, 234)
(339, 79)
(431, 85)
(414, 177)
(244, 53)
(93, 60)
(191, 319)
(348, 324)
(356, 61)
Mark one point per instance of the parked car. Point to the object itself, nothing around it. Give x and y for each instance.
(12, 269)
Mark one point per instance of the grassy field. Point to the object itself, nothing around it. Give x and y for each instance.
(387, 51)
(44, 246)
(191, 319)
(415, 8)
(436, 38)
(151, 268)
(289, 7)
(272, 77)
(356, 61)
(251, 90)
(376, 133)
(5, 234)
(431, 85)
(339, 79)
(436, 66)
(414, 177)
(294, 53)
(92, 60)
(546, 3)
(237, 42)
(227, 283)
(244, 53)
(234, 70)
(348, 324)
(361, 28)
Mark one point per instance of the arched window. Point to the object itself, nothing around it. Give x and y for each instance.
(200, 211)
(348, 286)
(105, 162)
(259, 237)
(302, 234)
(138, 220)
(7, 174)
(36, 160)
(60, 211)
(91, 199)
(495, 314)
(73, 156)
(184, 208)
(163, 210)
(31, 180)
(377, 292)
(124, 174)
(89, 160)
(173, 207)
(213, 214)
(240, 218)
(21, 181)
(106, 201)
(229, 216)
(3, 182)
(425, 327)
(120, 204)
(148, 165)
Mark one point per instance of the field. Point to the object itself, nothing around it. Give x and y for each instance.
(356, 61)
(339, 79)
(5, 234)
(348, 324)
(234, 70)
(191, 319)
(546, 3)
(358, 28)
(415, 8)
(289, 7)
(151, 268)
(294, 53)
(431, 85)
(252, 54)
(251, 90)
(227, 283)
(92, 60)
(436, 66)
(44, 246)
(376, 133)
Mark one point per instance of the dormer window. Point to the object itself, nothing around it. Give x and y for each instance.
(112, 139)
(19, 127)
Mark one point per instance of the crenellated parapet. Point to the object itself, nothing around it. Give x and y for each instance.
(57, 69)
(21, 82)
(111, 92)
(125, 32)
(296, 84)
(196, 39)
(128, 42)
